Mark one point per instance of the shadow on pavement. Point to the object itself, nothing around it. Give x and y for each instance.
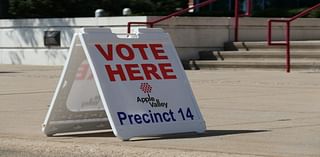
(208, 133)
(8, 72)
(100, 134)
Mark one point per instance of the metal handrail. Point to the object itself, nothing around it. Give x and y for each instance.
(237, 15)
(287, 32)
(151, 23)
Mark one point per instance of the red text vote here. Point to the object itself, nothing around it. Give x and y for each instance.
(124, 71)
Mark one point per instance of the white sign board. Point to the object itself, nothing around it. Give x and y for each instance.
(136, 79)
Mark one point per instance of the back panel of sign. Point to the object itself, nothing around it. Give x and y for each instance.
(76, 105)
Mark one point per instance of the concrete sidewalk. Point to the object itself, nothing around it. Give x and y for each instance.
(247, 112)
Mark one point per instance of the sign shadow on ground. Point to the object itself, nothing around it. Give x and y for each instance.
(208, 133)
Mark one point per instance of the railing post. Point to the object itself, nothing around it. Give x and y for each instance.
(269, 32)
(237, 16)
(236, 20)
(249, 8)
(286, 42)
(288, 64)
(129, 28)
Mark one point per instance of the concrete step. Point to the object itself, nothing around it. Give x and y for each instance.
(250, 64)
(226, 55)
(304, 55)
(312, 45)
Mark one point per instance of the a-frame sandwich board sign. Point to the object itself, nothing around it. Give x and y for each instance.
(133, 84)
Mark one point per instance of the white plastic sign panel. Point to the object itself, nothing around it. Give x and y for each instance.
(76, 105)
(141, 83)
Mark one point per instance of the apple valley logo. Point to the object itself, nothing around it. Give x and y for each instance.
(152, 101)
(146, 88)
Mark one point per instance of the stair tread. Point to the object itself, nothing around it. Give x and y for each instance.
(305, 42)
(269, 52)
(226, 55)
(304, 65)
(258, 61)
(262, 45)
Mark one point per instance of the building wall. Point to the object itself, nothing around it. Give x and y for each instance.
(21, 41)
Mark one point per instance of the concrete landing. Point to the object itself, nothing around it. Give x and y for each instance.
(249, 113)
